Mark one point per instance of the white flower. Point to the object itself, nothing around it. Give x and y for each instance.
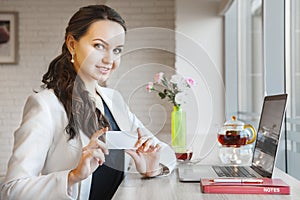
(179, 98)
(182, 85)
(175, 79)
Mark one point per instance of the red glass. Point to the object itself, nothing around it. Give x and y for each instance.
(184, 156)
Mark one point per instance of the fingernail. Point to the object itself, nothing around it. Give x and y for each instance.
(102, 162)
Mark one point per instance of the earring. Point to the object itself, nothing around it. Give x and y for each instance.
(72, 59)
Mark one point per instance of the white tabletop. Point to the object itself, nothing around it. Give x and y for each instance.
(134, 187)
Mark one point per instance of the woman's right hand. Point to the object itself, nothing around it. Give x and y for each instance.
(91, 157)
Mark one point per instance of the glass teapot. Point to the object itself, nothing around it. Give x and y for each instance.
(234, 139)
(235, 133)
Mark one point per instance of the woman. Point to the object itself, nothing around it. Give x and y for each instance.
(59, 151)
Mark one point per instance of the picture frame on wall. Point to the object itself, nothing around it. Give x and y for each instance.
(8, 37)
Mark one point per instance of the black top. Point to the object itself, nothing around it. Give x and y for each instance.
(107, 178)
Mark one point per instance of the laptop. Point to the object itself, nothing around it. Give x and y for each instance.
(264, 153)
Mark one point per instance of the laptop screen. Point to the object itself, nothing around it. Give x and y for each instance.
(268, 134)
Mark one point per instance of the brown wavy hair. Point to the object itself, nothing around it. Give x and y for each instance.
(68, 87)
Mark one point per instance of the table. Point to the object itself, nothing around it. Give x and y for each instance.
(134, 187)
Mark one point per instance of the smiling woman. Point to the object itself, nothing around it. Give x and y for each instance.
(97, 53)
(59, 150)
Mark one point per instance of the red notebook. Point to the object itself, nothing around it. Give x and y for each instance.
(267, 186)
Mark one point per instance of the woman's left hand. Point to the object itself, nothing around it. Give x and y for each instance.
(146, 156)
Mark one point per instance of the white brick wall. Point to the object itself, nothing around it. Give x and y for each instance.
(41, 32)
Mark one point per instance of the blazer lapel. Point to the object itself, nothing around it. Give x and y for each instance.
(116, 107)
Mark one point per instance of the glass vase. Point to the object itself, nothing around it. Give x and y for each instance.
(178, 123)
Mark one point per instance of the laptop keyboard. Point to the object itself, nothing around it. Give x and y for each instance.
(232, 171)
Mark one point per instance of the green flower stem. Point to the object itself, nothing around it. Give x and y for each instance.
(177, 108)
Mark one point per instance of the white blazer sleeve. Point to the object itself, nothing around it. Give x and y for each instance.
(32, 141)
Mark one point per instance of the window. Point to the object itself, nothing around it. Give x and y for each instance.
(244, 60)
(293, 86)
(255, 60)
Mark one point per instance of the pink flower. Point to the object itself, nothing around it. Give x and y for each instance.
(190, 81)
(158, 77)
(149, 87)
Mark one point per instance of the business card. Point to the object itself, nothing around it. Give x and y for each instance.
(121, 139)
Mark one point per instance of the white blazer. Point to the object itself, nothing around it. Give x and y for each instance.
(43, 156)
